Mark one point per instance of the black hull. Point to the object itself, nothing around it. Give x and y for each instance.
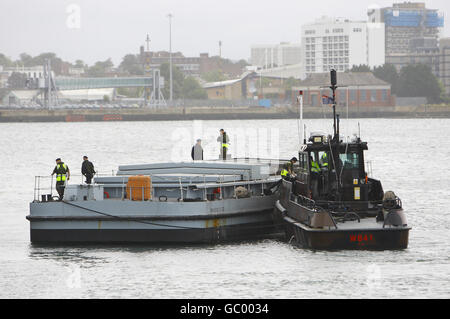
(218, 235)
(383, 239)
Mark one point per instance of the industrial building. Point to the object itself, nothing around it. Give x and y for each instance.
(336, 43)
(411, 33)
(277, 55)
(191, 66)
(237, 89)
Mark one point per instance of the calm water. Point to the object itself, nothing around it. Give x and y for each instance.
(409, 156)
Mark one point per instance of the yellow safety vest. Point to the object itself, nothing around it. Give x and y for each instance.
(61, 177)
(315, 167)
(324, 160)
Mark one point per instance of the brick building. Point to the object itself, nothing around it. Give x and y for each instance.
(356, 89)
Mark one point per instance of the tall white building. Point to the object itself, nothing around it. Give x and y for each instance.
(339, 43)
(276, 55)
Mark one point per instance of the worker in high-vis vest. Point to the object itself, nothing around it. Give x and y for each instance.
(324, 160)
(315, 174)
(62, 176)
(315, 168)
(288, 170)
(224, 141)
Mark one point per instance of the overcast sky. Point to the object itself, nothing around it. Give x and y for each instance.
(112, 28)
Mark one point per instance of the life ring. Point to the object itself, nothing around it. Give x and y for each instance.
(106, 194)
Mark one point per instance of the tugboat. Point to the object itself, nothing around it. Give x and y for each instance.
(331, 203)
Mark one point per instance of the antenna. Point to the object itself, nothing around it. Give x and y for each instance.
(359, 131)
(148, 42)
(304, 133)
(300, 120)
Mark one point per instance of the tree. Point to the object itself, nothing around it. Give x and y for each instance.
(418, 80)
(131, 64)
(25, 59)
(100, 68)
(388, 73)
(5, 61)
(193, 90)
(214, 76)
(360, 68)
(17, 81)
(177, 80)
(80, 64)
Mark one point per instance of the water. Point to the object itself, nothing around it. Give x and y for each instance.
(409, 156)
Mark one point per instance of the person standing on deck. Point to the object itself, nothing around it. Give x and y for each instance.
(87, 169)
(197, 151)
(224, 141)
(62, 174)
(288, 170)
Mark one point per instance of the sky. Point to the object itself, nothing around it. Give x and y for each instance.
(95, 30)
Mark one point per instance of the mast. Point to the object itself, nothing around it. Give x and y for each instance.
(333, 87)
(336, 139)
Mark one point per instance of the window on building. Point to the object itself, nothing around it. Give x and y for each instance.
(373, 95)
(352, 96)
(384, 94)
(363, 95)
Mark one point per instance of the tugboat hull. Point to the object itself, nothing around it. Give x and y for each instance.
(355, 239)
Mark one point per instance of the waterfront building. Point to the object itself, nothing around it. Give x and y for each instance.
(337, 43)
(411, 33)
(275, 55)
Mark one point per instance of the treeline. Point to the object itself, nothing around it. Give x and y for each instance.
(412, 81)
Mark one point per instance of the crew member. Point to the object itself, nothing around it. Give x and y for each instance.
(288, 170)
(87, 169)
(324, 160)
(197, 151)
(62, 174)
(224, 144)
(315, 174)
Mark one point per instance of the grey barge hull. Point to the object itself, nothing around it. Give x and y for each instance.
(190, 203)
(87, 224)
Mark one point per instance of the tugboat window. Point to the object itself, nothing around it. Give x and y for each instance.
(350, 160)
